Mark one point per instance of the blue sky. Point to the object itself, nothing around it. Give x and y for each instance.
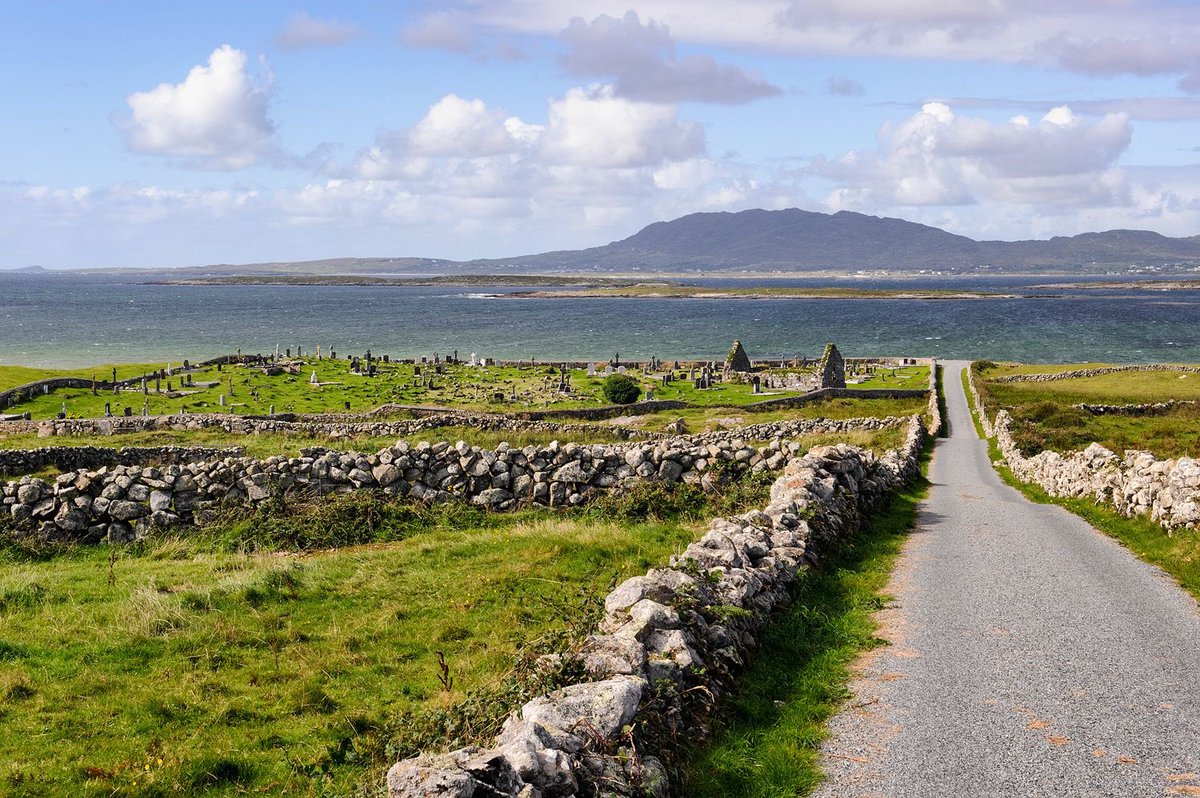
(164, 134)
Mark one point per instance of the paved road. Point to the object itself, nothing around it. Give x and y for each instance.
(1030, 656)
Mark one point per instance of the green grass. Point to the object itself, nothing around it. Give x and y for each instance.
(12, 376)
(296, 650)
(905, 378)
(767, 740)
(462, 387)
(1045, 416)
(267, 673)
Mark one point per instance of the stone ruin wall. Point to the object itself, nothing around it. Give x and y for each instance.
(673, 641)
(1137, 483)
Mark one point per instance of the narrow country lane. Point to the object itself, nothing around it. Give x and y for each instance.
(1030, 655)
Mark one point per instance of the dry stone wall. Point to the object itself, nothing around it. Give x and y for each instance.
(121, 502)
(75, 458)
(345, 427)
(1137, 483)
(1096, 372)
(671, 643)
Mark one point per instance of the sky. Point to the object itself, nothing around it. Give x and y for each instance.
(170, 134)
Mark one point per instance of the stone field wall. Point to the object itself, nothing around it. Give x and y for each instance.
(75, 458)
(672, 641)
(1096, 372)
(121, 502)
(1137, 483)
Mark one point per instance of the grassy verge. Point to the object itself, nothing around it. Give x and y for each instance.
(767, 741)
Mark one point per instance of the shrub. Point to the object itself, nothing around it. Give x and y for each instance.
(621, 389)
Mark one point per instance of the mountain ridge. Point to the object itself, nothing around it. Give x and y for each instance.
(791, 241)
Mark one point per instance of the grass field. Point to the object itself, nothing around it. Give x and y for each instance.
(1045, 416)
(189, 666)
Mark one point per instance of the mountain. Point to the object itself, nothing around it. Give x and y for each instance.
(789, 240)
(796, 241)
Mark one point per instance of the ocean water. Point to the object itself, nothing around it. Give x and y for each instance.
(73, 321)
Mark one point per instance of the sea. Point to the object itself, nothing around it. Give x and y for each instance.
(72, 321)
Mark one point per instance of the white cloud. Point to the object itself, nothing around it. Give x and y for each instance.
(938, 158)
(643, 61)
(303, 31)
(596, 127)
(466, 128)
(217, 117)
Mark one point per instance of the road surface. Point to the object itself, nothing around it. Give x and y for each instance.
(1030, 655)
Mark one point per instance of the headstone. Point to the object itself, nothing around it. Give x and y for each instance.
(417, 370)
(169, 370)
(128, 412)
(608, 370)
(385, 358)
(620, 369)
(107, 410)
(756, 381)
(272, 412)
(145, 386)
(591, 369)
(313, 379)
(649, 394)
(221, 400)
(146, 408)
(474, 360)
(288, 353)
(347, 405)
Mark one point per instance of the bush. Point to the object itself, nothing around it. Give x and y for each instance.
(621, 389)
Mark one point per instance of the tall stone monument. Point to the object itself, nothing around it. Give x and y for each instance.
(737, 359)
(832, 368)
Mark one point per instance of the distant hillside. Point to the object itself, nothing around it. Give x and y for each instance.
(789, 240)
(796, 240)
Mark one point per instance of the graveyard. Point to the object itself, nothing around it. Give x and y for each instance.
(312, 383)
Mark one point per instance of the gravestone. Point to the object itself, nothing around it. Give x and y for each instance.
(756, 381)
(107, 410)
(591, 369)
(221, 400)
(649, 394)
(128, 412)
(313, 379)
(620, 369)
(832, 368)
(272, 412)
